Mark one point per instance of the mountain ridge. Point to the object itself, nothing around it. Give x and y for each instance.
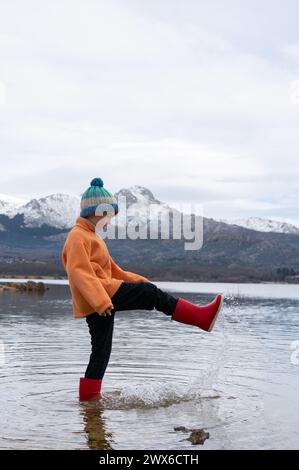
(31, 241)
(61, 209)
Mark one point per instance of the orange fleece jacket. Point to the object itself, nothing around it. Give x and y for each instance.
(93, 275)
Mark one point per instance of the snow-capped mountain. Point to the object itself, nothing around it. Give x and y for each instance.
(137, 194)
(9, 204)
(56, 210)
(141, 207)
(61, 210)
(263, 225)
(32, 236)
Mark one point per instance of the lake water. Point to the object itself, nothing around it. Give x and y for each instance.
(240, 382)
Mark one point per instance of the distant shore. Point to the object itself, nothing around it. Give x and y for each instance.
(230, 290)
(5, 278)
(28, 286)
(17, 276)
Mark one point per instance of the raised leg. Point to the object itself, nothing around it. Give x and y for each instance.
(143, 296)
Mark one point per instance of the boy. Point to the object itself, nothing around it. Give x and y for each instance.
(99, 287)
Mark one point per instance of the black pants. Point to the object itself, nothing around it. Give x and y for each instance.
(129, 296)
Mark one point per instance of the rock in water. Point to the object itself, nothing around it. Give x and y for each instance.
(197, 436)
(35, 286)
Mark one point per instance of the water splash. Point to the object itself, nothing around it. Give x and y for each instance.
(153, 395)
(223, 341)
(233, 300)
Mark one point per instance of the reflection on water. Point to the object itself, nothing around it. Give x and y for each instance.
(237, 383)
(94, 425)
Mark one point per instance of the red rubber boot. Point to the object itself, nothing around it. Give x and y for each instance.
(89, 389)
(202, 316)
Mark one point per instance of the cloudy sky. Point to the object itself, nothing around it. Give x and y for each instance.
(197, 100)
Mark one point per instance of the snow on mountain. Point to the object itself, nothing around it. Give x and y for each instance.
(263, 225)
(141, 207)
(138, 195)
(56, 210)
(61, 211)
(9, 204)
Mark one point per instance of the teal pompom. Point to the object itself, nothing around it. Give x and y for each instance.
(97, 182)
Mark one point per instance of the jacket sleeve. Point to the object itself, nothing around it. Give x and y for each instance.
(80, 272)
(118, 273)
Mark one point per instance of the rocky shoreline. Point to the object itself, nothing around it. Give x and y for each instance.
(29, 286)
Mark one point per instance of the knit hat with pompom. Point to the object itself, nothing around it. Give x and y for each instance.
(96, 200)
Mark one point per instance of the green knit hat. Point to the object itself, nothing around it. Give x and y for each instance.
(96, 200)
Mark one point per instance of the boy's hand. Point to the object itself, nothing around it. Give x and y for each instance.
(107, 312)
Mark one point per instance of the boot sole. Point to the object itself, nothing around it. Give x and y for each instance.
(216, 315)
